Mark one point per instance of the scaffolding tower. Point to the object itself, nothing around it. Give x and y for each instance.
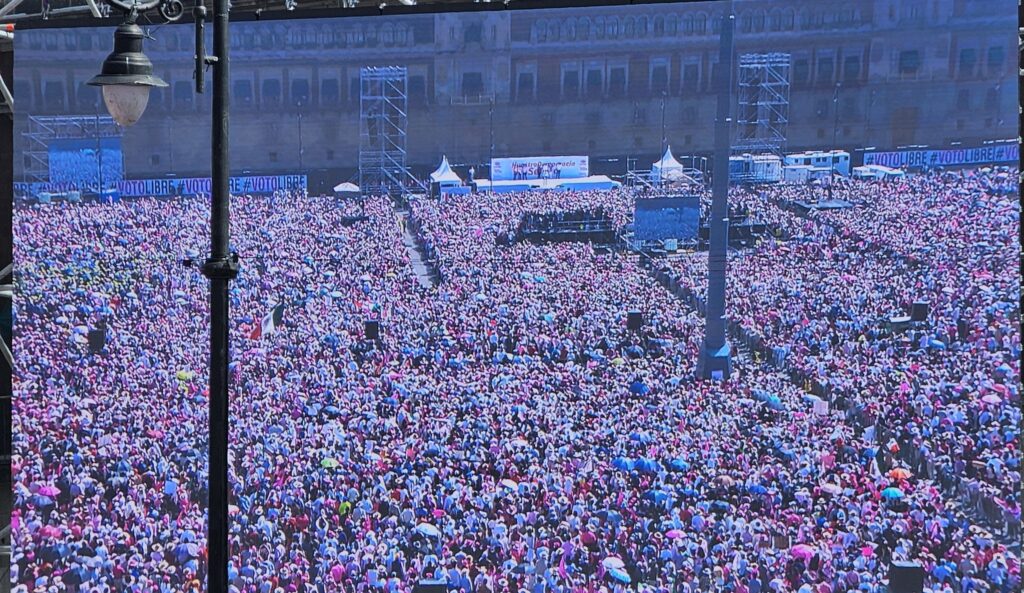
(383, 125)
(43, 130)
(763, 113)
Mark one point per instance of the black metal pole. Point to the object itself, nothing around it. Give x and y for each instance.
(663, 97)
(99, 154)
(490, 163)
(835, 133)
(300, 140)
(220, 268)
(716, 356)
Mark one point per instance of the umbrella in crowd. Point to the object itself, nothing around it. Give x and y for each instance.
(519, 441)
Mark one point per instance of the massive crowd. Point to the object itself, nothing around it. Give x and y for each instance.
(507, 433)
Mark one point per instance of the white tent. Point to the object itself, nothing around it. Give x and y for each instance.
(346, 188)
(444, 174)
(667, 168)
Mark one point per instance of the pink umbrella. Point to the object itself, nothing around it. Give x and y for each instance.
(867, 551)
(992, 398)
(802, 551)
(674, 533)
(49, 490)
(439, 513)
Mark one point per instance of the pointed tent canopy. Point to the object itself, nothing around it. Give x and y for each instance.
(444, 173)
(346, 188)
(667, 167)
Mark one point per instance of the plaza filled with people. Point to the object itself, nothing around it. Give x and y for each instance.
(507, 432)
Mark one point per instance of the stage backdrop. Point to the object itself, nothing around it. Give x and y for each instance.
(543, 167)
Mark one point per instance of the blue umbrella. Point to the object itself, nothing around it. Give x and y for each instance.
(620, 575)
(332, 411)
(640, 438)
(623, 463)
(688, 492)
(892, 493)
(391, 401)
(656, 496)
(679, 464)
(647, 465)
(757, 489)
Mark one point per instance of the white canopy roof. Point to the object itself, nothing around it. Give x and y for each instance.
(346, 187)
(667, 167)
(444, 173)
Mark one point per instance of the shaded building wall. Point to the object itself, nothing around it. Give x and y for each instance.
(570, 81)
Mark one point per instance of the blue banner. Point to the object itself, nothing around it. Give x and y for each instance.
(135, 188)
(264, 184)
(998, 153)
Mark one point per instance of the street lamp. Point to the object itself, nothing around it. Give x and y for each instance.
(127, 75)
(126, 79)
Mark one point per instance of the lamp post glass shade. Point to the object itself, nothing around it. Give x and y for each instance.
(127, 76)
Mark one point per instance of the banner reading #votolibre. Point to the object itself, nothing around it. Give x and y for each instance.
(540, 167)
(998, 153)
(263, 184)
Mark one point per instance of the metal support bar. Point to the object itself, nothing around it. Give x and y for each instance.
(8, 8)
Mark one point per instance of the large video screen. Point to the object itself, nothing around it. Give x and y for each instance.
(418, 392)
(657, 219)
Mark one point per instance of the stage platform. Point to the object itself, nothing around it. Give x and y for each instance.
(806, 206)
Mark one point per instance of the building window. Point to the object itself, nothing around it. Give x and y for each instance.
(996, 59)
(156, 99)
(570, 83)
(826, 69)
(851, 69)
(968, 60)
(691, 78)
(659, 77)
(330, 154)
(417, 89)
(474, 33)
(910, 61)
(525, 87)
(241, 94)
(271, 93)
(801, 71)
(472, 84)
(617, 82)
(689, 115)
(183, 94)
(330, 94)
(272, 156)
(87, 97)
(300, 92)
(992, 99)
(53, 96)
(595, 82)
(353, 89)
(154, 160)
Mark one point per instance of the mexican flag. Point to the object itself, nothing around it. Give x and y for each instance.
(269, 323)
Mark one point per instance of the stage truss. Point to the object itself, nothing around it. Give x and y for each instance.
(763, 114)
(383, 131)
